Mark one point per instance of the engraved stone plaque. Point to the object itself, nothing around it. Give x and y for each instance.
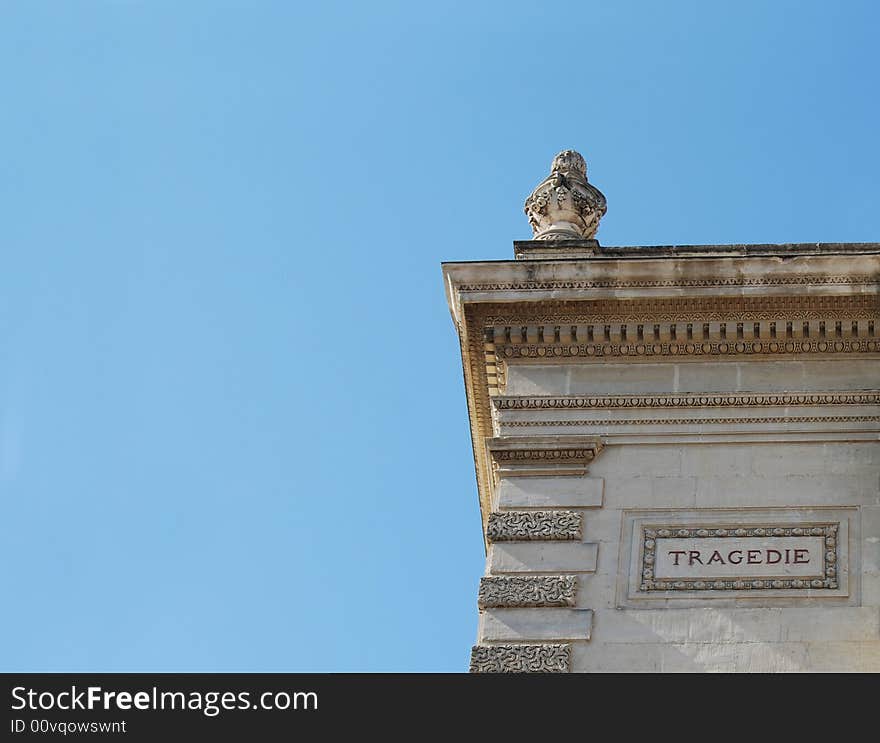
(751, 554)
(732, 557)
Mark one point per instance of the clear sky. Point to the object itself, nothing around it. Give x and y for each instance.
(233, 432)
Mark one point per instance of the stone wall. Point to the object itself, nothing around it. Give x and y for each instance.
(766, 633)
(615, 405)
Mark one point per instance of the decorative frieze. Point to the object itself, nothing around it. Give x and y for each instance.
(636, 350)
(516, 526)
(586, 422)
(527, 591)
(544, 658)
(510, 320)
(612, 402)
(712, 282)
(702, 327)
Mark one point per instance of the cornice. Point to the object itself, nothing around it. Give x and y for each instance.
(664, 304)
(653, 272)
(737, 250)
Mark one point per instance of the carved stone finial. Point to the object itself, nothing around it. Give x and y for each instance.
(564, 206)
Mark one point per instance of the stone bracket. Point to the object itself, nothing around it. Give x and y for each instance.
(542, 456)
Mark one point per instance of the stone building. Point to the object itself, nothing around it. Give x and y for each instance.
(677, 449)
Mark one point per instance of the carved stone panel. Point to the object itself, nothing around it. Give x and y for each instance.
(531, 591)
(515, 526)
(544, 658)
(731, 557)
(754, 553)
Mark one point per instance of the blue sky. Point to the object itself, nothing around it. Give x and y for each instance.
(233, 433)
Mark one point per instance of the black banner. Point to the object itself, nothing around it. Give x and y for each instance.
(170, 707)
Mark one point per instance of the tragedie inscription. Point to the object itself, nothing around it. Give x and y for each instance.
(732, 557)
(771, 557)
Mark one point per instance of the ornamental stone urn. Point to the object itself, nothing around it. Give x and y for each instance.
(564, 206)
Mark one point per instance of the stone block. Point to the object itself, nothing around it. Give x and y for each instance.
(536, 379)
(852, 458)
(844, 657)
(871, 554)
(792, 491)
(752, 657)
(870, 589)
(523, 625)
(603, 525)
(628, 492)
(638, 462)
(756, 657)
(543, 557)
(597, 591)
(550, 492)
(773, 460)
(833, 623)
(870, 517)
(593, 657)
(709, 377)
(721, 627)
(699, 460)
(870, 523)
(621, 379)
(673, 492)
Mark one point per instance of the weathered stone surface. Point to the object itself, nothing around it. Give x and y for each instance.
(507, 625)
(784, 490)
(564, 205)
(520, 526)
(794, 381)
(550, 492)
(544, 590)
(752, 657)
(543, 557)
(555, 658)
(721, 626)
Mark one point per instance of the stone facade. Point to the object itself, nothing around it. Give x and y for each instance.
(678, 455)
